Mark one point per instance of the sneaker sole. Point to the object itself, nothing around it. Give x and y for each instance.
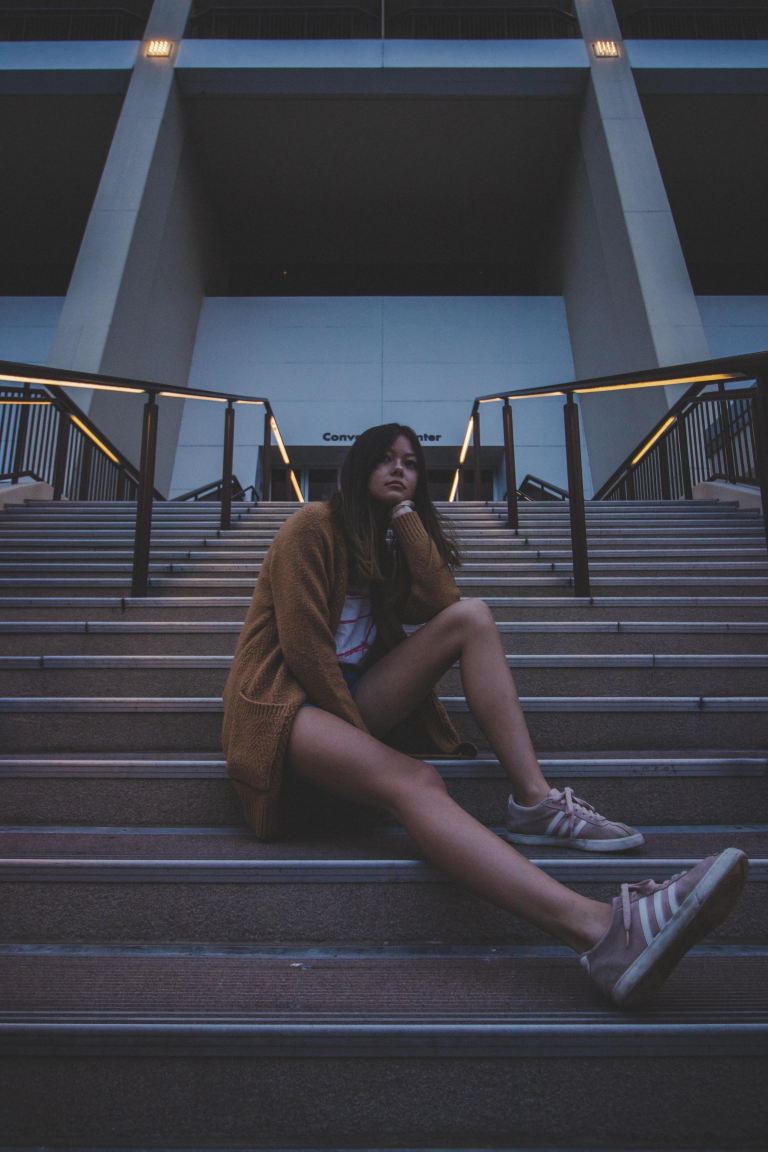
(703, 909)
(617, 845)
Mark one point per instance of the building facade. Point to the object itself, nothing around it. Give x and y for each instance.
(379, 211)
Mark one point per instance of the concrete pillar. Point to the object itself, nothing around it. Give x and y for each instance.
(140, 277)
(628, 296)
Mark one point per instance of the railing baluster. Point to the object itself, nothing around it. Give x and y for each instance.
(513, 516)
(141, 547)
(685, 462)
(476, 453)
(266, 456)
(86, 460)
(726, 434)
(22, 429)
(760, 411)
(576, 498)
(60, 458)
(663, 447)
(226, 468)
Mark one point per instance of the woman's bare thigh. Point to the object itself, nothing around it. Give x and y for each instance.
(398, 682)
(336, 756)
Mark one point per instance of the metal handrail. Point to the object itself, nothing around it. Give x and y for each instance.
(19, 380)
(751, 367)
(549, 491)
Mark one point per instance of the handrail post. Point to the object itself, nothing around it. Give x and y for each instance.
(476, 453)
(513, 518)
(685, 458)
(663, 446)
(86, 463)
(226, 468)
(140, 579)
(576, 499)
(727, 434)
(760, 423)
(266, 461)
(60, 458)
(21, 438)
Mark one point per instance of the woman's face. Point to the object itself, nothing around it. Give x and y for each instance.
(395, 477)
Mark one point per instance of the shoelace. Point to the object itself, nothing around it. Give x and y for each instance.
(574, 805)
(642, 888)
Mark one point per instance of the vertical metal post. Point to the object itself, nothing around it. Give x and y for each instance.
(140, 580)
(22, 430)
(685, 458)
(60, 457)
(86, 463)
(476, 452)
(226, 468)
(760, 422)
(576, 499)
(726, 432)
(631, 493)
(666, 491)
(266, 457)
(121, 483)
(513, 518)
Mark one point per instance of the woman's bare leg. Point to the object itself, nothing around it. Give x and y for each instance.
(466, 632)
(331, 753)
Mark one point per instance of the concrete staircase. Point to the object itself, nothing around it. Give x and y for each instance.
(170, 982)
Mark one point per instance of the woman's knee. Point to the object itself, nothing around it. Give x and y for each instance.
(417, 782)
(468, 616)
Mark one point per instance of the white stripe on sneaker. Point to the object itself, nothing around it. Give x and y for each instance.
(645, 920)
(577, 830)
(556, 819)
(672, 895)
(658, 907)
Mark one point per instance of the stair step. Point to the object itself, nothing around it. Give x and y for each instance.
(464, 1059)
(76, 723)
(262, 896)
(548, 673)
(219, 637)
(194, 790)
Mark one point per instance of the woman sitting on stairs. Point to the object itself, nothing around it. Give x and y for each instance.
(326, 685)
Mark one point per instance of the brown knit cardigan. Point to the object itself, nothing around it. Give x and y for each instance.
(287, 653)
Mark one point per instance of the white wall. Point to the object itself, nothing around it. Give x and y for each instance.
(27, 325)
(735, 324)
(341, 364)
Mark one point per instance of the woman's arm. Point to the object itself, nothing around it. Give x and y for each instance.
(432, 584)
(302, 576)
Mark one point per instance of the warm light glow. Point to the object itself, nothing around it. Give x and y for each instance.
(647, 447)
(87, 432)
(279, 439)
(605, 48)
(491, 400)
(295, 483)
(192, 396)
(657, 383)
(536, 396)
(70, 384)
(261, 402)
(27, 403)
(158, 48)
(465, 445)
(454, 487)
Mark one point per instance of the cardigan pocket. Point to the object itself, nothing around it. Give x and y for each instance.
(256, 738)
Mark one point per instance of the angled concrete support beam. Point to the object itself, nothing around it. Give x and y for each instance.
(627, 290)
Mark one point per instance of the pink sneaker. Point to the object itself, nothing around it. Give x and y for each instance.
(654, 925)
(565, 821)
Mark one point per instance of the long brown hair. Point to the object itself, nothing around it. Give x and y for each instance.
(355, 514)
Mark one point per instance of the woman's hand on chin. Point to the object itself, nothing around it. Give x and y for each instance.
(402, 509)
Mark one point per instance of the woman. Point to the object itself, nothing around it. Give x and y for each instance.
(325, 683)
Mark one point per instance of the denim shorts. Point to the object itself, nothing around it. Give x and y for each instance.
(352, 674)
